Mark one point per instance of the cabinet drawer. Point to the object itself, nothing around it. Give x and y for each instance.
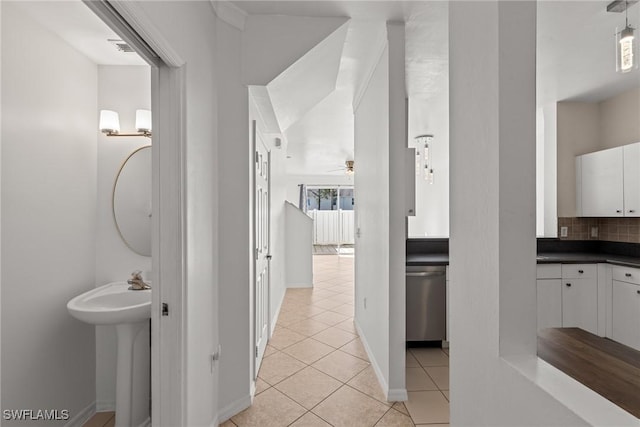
(549, 271)
(626, 274)
(579, 271)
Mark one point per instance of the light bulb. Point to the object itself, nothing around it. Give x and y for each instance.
(109, 121)
(143, 120)
(625, 50)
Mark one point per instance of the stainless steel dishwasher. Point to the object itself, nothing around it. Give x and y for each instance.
(426, 303)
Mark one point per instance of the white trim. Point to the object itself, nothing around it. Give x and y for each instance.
(579, 399)
(236, 407)
(382, 45)
(230, 13)
(135, 16)
(82, 416)
(105, 405)
(299, 285)
(392, 395)
(274, 319)
(145, 423)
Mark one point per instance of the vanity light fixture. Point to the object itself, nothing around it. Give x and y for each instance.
(626, 43)
(110, 123)
(424, 142)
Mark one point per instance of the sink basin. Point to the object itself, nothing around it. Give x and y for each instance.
(129, 311)
(111, 304)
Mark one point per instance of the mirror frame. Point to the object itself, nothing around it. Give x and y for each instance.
(113, 199)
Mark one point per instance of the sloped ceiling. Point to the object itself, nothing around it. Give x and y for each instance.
(308, 81)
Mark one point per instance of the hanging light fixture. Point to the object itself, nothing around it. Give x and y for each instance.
(424, 142)
(110, 123)
(626, 45)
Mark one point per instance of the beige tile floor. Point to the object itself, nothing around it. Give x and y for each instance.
(315, 371)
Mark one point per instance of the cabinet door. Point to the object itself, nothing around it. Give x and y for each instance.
(626, 314)
(632, 179)
(602, 178)
(580, 304)
(549, 298)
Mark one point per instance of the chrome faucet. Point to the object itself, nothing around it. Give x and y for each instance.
(136, 282)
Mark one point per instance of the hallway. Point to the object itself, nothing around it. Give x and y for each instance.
(316, 372)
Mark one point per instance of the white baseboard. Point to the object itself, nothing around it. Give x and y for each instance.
(274, 318)
(82, 416)
(234, 408)
(105, 405)
(299, 285)
(392, 395)
(397, 395)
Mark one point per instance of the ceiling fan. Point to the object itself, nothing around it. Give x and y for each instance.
(347, 168)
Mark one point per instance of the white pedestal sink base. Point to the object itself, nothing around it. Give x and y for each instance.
(132, 377)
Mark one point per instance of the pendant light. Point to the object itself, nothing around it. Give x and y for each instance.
(626, 46)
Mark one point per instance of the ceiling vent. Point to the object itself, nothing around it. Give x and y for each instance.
(121, 45)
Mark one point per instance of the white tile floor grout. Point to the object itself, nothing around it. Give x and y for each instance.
(315, 371)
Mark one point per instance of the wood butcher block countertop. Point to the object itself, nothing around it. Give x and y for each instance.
(607, 367)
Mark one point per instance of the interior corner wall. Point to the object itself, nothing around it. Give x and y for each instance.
(620, 120)
(550, 169)
(124, 89)
(49, 149)
(235, 225)
(491, 246)
(577, 133)
(371, 145)
(272, 43)
(189, 28)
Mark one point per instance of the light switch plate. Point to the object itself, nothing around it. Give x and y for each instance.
(594, 231)
(564, 231)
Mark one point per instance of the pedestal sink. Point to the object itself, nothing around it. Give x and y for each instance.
(129, 311)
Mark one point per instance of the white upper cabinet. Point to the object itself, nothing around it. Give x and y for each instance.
(632, 179)
(602, 183)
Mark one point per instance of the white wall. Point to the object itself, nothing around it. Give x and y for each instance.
(547, 171)
(577, 133)
(123, 89)
(371, 150)
(189, 28)
(492, 247)
(298, 248)
(619, 124)
(49, 148)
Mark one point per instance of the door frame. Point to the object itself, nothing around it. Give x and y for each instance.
(168, 90)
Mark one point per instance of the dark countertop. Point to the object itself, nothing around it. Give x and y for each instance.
(542, 258)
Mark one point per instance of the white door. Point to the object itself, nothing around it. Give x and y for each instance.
(261, 235)
(632, 179)
(602, 176)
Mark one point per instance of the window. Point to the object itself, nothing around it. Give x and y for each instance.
(330, 198)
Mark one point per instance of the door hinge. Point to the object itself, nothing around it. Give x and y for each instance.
(165, 309)
(256, 352)
(257, 253)
(257, 157)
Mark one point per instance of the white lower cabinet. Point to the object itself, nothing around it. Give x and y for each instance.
(567, 296)
(549, 303)
(626, 314)
(625, 306)
(580, 304)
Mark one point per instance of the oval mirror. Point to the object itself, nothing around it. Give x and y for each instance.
(132, 201)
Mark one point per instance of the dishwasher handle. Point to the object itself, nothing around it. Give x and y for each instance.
(425, 273)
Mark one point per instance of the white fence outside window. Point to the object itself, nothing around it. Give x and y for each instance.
(332, 227)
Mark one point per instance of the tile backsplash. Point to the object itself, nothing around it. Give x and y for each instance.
(609, 229)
